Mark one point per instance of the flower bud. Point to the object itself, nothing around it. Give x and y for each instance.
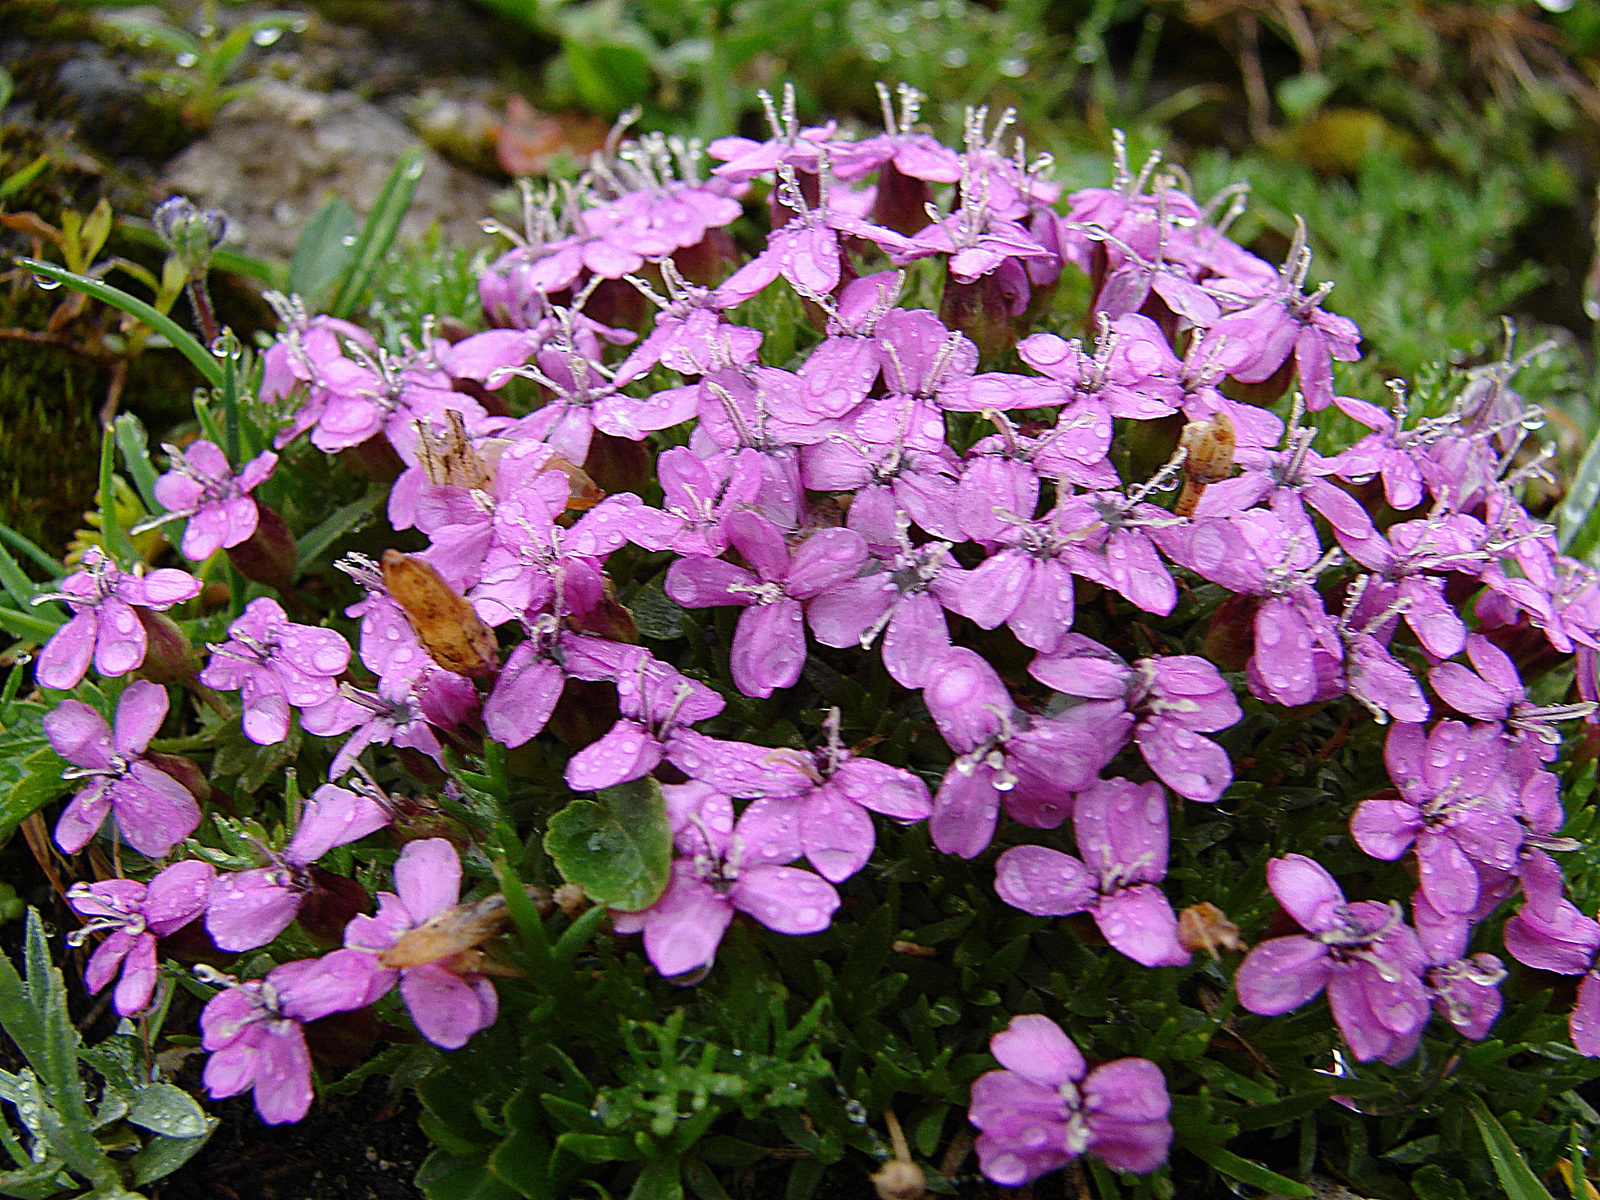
(981, 310)
(617, 465)
(454, 636)
(327, 909)
(185, 770)
(168, 656)
(190, 233)
(1231, 637)
(902, 201)
(268, 555)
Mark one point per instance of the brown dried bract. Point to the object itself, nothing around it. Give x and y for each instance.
(456, 930)
(1209, 459)
(1206, 927)
(452, 634)
(451, 460)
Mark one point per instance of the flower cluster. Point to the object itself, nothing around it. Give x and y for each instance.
(852, 497)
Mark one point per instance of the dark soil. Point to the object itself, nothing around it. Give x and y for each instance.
(364, 1146)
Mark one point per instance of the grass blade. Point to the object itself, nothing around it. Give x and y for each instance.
(1247, 1170)
(181, 339)
(378, 234)
(1513, 1171)
(134, 443)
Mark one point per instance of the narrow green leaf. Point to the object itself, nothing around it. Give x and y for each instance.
(65, 1119)
(326, 248)
(1246, 1170)
(31, 625)
(1578, 518)
(20, 179)
(1513, 1171)
(116, 538)
(577, 936)
(41, 784)
(383, 223)
(314, 544)
(181, 339)
(18, 586)
(135, 446)
(31, 550)
(617, 846)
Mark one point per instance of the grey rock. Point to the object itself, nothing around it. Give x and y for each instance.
(275, 154)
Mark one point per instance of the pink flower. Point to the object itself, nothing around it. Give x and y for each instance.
(105, 624)
(254, 1029)
(1033, 764)
(447, 1006)
(154, 811)
(1363, 952)
(134, 915)
(727, 865)
(249, 908)
(1045, 1108)
(1454, 807)
(276, 663)
(200, 485)
(1121, 829)
(769, 645)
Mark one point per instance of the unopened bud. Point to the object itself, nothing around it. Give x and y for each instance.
(268, 555)
(616, 464)
(900, 1179)
(1209, 458)
(982, 309)
(453, 635)
(1206, 927)
(168, 656)
(190, 233)
(185, 770)
(332, 902)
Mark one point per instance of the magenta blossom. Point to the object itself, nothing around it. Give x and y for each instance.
(1046, 1108)
(1033, 764)
(105, 624)
(1453, 805)
(254, 1029)
(154, 811)
(200, 486)
(1565, 942)
(134, 915)
(1364, 953)
(250, 908)
(653, 701)
(1121, 829)
(1175, 699)
(727, 865)
(276, 663)
(828, 791)
(447, 1006)
(769, 645)
(1465, 990)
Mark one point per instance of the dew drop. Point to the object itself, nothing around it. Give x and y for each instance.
(46, 284)
(187, 59)
(1013, 68)
(348, 239)
(414, 171)
(266, 37)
